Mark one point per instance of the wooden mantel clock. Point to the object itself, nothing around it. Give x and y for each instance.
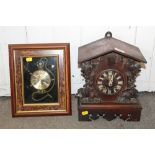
(109, 67)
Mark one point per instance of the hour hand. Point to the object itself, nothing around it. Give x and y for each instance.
(111, 80)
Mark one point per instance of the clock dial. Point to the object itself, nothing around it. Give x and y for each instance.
(40, 80)
(110, 82)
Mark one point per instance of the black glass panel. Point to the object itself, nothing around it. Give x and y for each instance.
(40, 76)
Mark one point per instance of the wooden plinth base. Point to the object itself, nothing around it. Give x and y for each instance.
(109, 111)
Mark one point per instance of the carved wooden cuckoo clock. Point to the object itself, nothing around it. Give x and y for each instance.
(109, 67)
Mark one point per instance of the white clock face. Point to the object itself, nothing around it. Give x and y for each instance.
(110, 82)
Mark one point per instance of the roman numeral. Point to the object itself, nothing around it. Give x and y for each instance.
(104, 74)
(115, 74)
(109, 91)
(104, 90)
(118, 87)
(115, 90)
(100, 87)
(99, 82)
(110, 73)
(118, 78)
(101, 78)
(120, 82)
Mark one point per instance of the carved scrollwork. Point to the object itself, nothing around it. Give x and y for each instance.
(131, 70)
(129, 95)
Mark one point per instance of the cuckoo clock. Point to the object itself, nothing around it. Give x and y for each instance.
(109, 67)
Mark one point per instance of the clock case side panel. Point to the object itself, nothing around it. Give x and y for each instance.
(68, 79)
(66, 48)
(12, 80)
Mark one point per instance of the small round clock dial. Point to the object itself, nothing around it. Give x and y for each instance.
(40, 79)
(110, 82)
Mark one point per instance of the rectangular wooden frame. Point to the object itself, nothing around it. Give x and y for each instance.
(18, 51)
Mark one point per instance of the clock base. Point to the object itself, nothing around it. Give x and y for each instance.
(109, 111)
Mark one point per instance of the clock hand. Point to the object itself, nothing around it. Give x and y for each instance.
(111, 80)
(36, 76)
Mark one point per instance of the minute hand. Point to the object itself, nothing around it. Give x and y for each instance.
(111, 80)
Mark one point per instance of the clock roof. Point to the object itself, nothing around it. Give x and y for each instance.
(107, 45)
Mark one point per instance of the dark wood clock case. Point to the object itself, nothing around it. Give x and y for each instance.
(109, 67)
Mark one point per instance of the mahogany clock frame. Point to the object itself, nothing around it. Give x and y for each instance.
(16, 52)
